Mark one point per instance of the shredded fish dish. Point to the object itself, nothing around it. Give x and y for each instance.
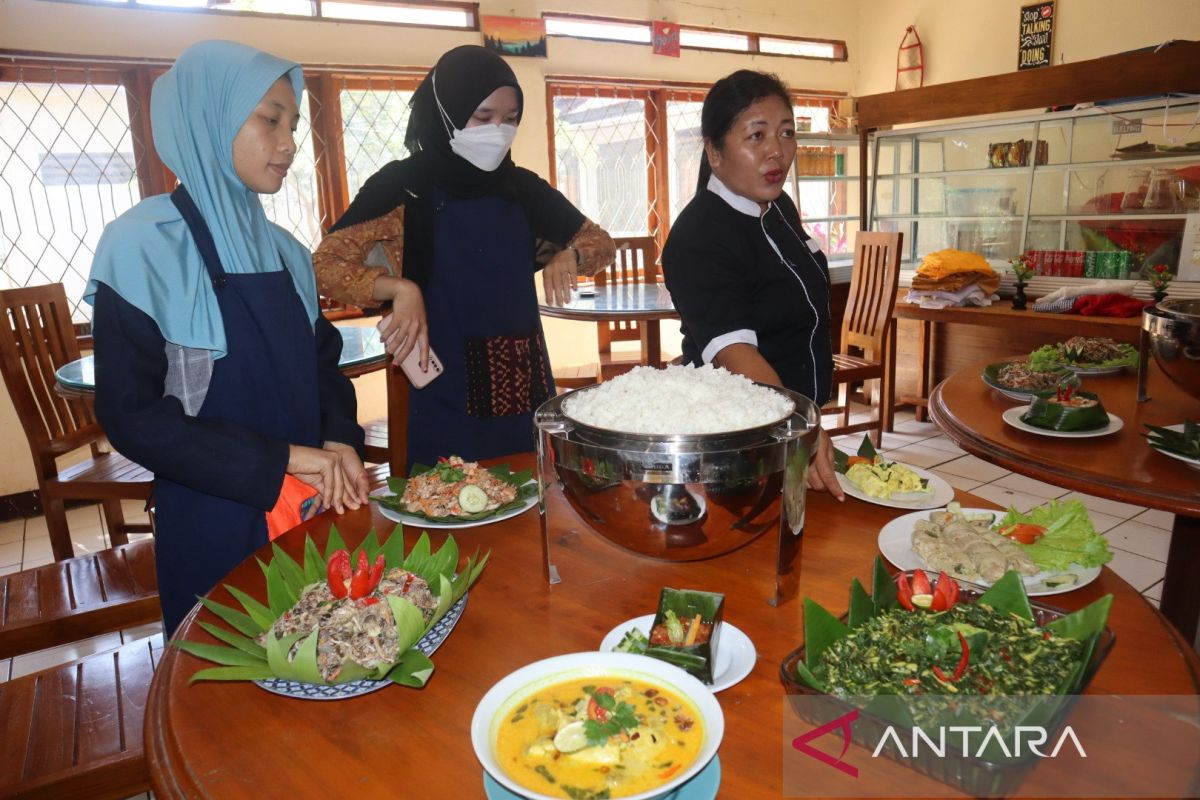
(1018, 375)
(361, 630)
(438, 493)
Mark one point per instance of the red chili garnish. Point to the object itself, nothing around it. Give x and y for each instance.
(960, 668)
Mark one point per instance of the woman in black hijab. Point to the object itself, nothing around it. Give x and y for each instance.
(461, 229)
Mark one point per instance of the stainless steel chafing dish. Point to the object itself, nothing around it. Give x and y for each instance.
(680, 497)
(1171, 331)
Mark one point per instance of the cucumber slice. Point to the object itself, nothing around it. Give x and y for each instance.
(1065, 579)
(472, 499)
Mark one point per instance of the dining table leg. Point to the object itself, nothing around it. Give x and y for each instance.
(1180, 601)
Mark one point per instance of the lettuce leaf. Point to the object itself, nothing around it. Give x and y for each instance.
(1070, 537)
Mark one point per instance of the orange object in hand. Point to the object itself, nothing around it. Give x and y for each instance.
(296, 503)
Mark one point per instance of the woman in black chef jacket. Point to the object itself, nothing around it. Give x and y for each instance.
(751, 287)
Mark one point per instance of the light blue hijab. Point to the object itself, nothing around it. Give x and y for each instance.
(147, 255)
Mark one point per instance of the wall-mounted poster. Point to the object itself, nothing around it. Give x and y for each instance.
(514, 36)
(666, 38)
(1034, 45)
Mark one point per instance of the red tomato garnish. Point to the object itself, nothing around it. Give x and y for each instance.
(1024, 532)
(594, 710)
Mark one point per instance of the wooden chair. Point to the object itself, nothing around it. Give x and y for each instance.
(869, 333)
(81, 597)
(636, 262)
(76, 730)
(36, 339)
(387, 439)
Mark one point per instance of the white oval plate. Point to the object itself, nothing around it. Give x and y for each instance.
(1095, 370)
(1013, 418)
(942, 492)
(895, 542)
(736, 655)
(1191, 462)
(421, 522)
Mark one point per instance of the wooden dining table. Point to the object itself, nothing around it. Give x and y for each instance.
(235, 740)
(1120, 466)
(644, 303)
(362, 352)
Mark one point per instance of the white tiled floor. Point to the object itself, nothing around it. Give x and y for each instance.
(1139, 537)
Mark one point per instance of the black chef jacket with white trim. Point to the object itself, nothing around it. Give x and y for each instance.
(736, 275)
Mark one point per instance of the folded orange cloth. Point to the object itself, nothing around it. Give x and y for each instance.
(988, 281)
(942, 263)
(296, 503)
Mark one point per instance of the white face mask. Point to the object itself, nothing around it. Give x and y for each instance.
(483, 146)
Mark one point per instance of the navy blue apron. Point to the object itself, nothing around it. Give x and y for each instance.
(484, 326)
(267, 382)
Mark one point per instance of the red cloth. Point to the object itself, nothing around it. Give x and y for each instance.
(1108, 305)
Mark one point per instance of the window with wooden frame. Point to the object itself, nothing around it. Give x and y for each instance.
(445, 14)
(76, 151)
(628, 154)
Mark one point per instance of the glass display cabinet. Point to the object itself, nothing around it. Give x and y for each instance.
(825, 186)
(1111, 179)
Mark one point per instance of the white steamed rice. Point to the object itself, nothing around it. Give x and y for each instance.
(678, 400)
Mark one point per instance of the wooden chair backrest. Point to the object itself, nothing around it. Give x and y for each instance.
(873, 286)
(636, 261)
(37, 338)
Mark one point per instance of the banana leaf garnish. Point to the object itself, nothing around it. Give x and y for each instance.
(519, 480)
(1054, 411)
(241, 657)
(1184, 443)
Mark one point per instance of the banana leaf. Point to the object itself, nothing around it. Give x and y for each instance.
(1045, 411)
(522, 481)
(697, 659)
(241, 657)
(841, 461)
(1184, 443)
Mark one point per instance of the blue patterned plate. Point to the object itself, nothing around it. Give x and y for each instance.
(340, 691)
(702, 787)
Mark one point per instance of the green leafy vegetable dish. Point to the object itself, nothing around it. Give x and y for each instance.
(340, 616)
(455, 490)
(912, 640)
(1085, 353)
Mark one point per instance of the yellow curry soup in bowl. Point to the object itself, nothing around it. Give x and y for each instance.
(596, 725)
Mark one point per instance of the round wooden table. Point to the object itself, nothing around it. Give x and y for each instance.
(646, 303)
(1120, 466)
(362, 352)
(234, 740)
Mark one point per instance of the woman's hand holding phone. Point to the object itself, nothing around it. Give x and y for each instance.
(404, 328)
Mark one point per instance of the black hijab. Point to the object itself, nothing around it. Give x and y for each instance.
(461, 80)
(464, 77)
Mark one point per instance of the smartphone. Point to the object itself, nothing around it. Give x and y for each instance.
(411, 365)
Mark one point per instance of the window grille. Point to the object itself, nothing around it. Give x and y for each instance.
(374, 119)
(294, 207)
(68, 167)
(602, 161)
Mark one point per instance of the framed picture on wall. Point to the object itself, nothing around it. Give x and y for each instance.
(514, 36)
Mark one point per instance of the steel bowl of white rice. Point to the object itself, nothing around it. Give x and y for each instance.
(679, 464)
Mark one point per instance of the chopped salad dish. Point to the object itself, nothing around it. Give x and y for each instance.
(458, 490)
(1023, 376)
(1084, 352)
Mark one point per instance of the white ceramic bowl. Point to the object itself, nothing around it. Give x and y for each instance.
(516, 686)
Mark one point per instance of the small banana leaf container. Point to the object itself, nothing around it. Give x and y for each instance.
(1047, 411)
(698, 660)
(979, 775)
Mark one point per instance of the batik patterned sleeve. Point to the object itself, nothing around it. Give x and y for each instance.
(348, 260)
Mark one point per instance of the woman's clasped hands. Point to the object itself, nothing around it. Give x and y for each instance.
(334, 470)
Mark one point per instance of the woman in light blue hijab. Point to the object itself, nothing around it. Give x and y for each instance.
(214, 366)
